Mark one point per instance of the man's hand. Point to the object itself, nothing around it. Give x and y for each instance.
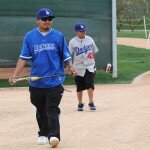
(20, 65)
(73, 71)
(11, 79)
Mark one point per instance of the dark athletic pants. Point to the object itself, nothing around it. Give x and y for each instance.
(85, 82)
(46, 102)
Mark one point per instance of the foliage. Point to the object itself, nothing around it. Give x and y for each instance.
(131, 12)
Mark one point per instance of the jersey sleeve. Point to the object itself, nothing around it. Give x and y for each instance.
(71, 47)
(94, 46)
(25, 52)
(65, 51)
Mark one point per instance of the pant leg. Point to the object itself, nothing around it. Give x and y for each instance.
(80, 83)
(89, 80)
(53, 99)
(38, 99)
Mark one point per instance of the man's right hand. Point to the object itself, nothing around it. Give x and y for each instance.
(11, 79)
(73, 71)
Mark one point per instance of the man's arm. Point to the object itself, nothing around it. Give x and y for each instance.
(19, 67)
(71, 68)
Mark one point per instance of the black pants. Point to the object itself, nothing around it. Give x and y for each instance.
(86, 82)
(47, 103)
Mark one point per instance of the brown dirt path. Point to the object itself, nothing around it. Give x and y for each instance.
(121, 122)
(6, 73)
(135, 42)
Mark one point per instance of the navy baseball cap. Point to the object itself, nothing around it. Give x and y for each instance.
(80, 27)
(44, 12)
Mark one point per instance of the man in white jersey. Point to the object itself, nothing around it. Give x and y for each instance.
(83, 49)
(47, 51)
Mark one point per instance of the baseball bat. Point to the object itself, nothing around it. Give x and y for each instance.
(34, 78)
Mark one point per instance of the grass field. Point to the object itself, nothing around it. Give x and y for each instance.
(131, 63)
(131, 34)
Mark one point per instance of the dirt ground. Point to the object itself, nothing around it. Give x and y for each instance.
(135, 42)
(121, 121)
(6, 73)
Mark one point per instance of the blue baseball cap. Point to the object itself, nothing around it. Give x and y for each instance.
(80, 27)
(44, 12)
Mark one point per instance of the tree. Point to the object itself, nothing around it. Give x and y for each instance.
(128, 12)
(145, 4)
(121, 13)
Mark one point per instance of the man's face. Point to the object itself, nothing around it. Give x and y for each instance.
(81, 34)
(44, 23)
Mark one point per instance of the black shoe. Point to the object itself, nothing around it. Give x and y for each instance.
(92, 106)
(80, 106)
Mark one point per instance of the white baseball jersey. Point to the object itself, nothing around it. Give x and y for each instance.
(83, 52)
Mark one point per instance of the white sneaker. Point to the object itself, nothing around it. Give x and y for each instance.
(54, 141)
(42, 140)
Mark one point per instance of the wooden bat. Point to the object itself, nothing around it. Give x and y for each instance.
(28, 79)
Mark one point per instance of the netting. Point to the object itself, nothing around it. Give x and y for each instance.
(18, 17)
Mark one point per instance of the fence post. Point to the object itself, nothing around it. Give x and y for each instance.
(145, 27)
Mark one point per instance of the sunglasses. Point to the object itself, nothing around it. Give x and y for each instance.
(46, 18)
(82, 31)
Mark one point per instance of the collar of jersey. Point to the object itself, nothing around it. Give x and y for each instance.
(80, 39)
(45, 33)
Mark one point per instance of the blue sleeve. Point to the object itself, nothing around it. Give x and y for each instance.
(65, 50)
(25, 52)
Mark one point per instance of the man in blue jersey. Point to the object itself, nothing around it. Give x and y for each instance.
(47, 51)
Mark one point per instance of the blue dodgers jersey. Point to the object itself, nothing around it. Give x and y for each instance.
(47, 54)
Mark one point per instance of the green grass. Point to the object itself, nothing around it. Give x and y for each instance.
(4, 83)
(131, 34)
(131, 63)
